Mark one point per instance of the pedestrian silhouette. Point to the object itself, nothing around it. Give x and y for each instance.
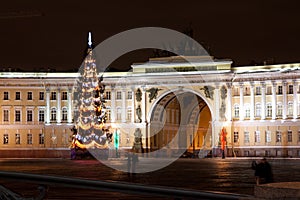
(263, 171)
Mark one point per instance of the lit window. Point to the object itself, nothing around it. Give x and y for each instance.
(247, 110)
(6, 97)
(29, 95)
(269, 110)
(268, 136)
(290, 108)
(279, 109)
(278, 136)
(257, 136)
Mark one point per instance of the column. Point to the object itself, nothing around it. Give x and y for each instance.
(217, 102)
(229, 101)
(113, 104)
(144, 100)
(58, 101)
(252, 101)
(295, 102)
(132, 105)
(70, 105)
(47, 105)
(263, 100)
(123, 116)
(284, 106)
(274, 100)
(242, 110)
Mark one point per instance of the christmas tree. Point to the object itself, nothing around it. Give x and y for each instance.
(90, 131)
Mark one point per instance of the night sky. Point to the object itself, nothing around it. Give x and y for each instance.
(38, 35)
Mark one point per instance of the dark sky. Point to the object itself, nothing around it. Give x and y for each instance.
(42, 34)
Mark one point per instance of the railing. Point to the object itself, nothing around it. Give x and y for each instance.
(118, 186)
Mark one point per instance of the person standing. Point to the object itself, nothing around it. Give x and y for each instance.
(263, 171)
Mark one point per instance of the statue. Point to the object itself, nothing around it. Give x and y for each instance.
(223, 92)
(138, 95)
(208, 91)
(137, 144)
(139, 113)
(152, 93)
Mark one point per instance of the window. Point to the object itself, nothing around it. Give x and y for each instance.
(64, 114)
(18, 138)
(246, 137)
(119, 95)
(278, 136)
(236, 111)
(235, 137)
(280, 89)
(269, 90)
(17, 116)
(53, 114)
(29, 95)
(108, 97)
(279, 109)
(41, 138)
(53, 95)
(18, 95)
(247, 91)
(41, 96)
(6, 97)
(129, 95)
(41, 115)
(29, 138)
(268, 136)
(119, 112)
(257, 136)
(258, 91)
(29, 115)
(290, 108)
(290, 89)
(258, 110)
(5, 138)
(269, 110)
(129, 113)
(64, 96)
(247, 110)
(290, 136)
(5, 115)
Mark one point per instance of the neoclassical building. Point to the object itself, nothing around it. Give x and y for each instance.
(177, 104)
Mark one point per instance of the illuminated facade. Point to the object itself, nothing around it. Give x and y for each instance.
(258, 107)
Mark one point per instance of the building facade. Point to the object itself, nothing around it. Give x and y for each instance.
(175, 103)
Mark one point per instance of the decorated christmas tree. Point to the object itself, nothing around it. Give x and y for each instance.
(90, 131)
